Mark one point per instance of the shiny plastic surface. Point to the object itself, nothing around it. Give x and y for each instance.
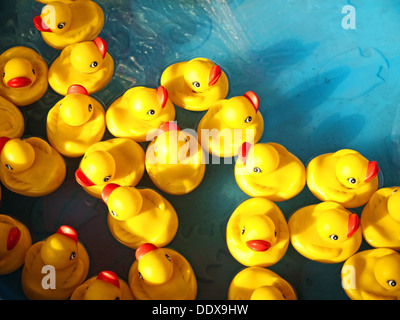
(322, 88)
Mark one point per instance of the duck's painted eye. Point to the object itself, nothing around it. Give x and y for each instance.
(151, 112)
(168, 257)
(352, 180)
(113, 213)
(257, 170)
(33, 71)
(334, 237)
(248, 119)
(117, 298)
(90, 107)
(140, 276)
(94, 64)
(72, 256)
(392, 283)
(61, 25)
(275, 233)
(243, 230)
(4, 74)
(8, 167)
(196, 84)
(107, 178)
(394, 191)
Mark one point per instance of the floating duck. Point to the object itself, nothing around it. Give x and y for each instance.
(118, 160)
(105, 286)
(75, 122)
(372, 275)
(195, 84)
(269, 170)
(139, 112)
(24, 76)
(30, 167)
(256, 283)
(380, 219)
(161, 274)
(229, 123)
(257, 233)
(325, 232)
(138, 216)
(86, 63)
(12, 123)
(175, 161)
(62, 23)
(15, 240)
(55, 267)
(344, 176)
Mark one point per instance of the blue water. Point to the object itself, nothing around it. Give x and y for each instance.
(321, 87)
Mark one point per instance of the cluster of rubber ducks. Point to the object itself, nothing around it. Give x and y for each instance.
(257, 233)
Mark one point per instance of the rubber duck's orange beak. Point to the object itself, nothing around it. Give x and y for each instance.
(101, 45)
(162, 94)
(3, 141)
(353, 225)
(40, 25)
(143, 249)
(82, 179)
(107, 191)
(214, 75)
(110, 277)
(68, 232)
(372, 171)
(255, 101)
(258, 245)
(244, 151)
(13, 237)
(19, 82)
(169, 126)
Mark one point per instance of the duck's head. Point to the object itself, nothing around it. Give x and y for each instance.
(9, 238)
(201, 74)
(19, 73)
(353, 170)
(55, 17)
(123, 202)
(240, 111)
(393, 205)
(387, 272)
(104, 287)
(258, 233)
(88, 56)
(267, 293)
(16, 155)
(155, 266)
(334, 223)
(96, 168)
(148, 103)
(260, 159)
(60, 249)
(76, 108)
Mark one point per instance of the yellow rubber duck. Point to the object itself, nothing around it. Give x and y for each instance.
(229, 123)
(380, 219)
(147, 108)
(15, 240)
(75, 122)
(12, 123)
(63, 23)
(30, 167)
(118, 160)
(257, 233)
(24, 76)
(269, 170)
(161, 274)
(195, 84)
(344, 176)
(372, 275)
(138, 216)
(105, 286)
(86, 63)
(175, 160)
(256, 283)
(55, 267)
(325, 232)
